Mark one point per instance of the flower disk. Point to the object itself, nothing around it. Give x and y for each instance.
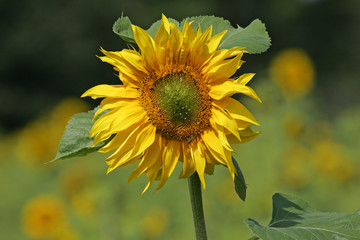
(174, 104)
(177, 102)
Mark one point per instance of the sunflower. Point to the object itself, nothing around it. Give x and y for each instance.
(293, 72)
(174, 104)
(44, 217)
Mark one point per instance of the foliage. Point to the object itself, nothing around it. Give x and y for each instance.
(76, 141)
(122, 27)
(295, 219)
(254, 37)
(240, 184)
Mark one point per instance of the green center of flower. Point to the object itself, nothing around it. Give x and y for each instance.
(177, 102)
(178, 98)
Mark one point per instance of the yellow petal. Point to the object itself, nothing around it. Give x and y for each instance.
(199, 50)
(189, 35)
(134, 59)
(230, 164)
(127, 60)
(247, 135)
(116, 142)
(215, 41)
(151, 156)
(165, 22)
(224, 119)
(220, 55)
(236, 110)
(242, 124)
(151, 174)
(220, 154)
(147, 47)
(113, 91)
(245, 78)
(162, 43)
(170, 158)
(224, 70)
(200, 161)
(129, 65)
(207, 155)
(188, 163)
(230, 87)
(214, 146)
(118, 119)
(222, 136)
(175, 44)
(211, 47)
(122, 151)
(139, 141)
(110, 103)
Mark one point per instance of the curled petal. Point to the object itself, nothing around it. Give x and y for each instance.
(113, 91)
(231, 87)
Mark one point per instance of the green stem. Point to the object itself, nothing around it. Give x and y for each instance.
(197, 207)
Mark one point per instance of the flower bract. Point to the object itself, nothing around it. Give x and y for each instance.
(174, 104)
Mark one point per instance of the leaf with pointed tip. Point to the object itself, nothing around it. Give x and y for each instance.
(122, 27)
(75, 140)
(295, 219)
(239, 181)
(254, 38)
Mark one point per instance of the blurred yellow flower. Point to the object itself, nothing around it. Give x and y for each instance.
(38, 141)
(36, 144)
(293, 72)
(330, 159)
(44, 217)
(62, 113)
(174, 105)
(154, 223)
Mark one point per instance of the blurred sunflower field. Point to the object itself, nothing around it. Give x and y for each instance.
(309, 121)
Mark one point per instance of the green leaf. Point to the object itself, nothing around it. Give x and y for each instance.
(239, 181)
(75, 140)
(122, 27)
(294, 219)
(155, 26)
(218, 24)
(254, 38)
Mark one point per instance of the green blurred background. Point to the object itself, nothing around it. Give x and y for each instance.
(308, 82)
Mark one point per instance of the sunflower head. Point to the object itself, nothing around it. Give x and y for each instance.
(177, 102)
(44, 217)
(293, 72)
(174, 104)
